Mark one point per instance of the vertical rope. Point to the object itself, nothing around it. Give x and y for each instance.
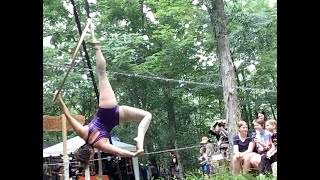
(76, 16)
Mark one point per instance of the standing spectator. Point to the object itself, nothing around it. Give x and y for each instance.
(219, 130)
(204, 162)
(209, 151)
(174, 166)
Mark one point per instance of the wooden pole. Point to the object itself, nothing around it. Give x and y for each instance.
(99, 153)
(135, 164)
(73, 57)
(87, 172)
(92, 31)
(65, 152)
(100, 164)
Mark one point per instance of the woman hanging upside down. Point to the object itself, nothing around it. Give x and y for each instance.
(109, 114)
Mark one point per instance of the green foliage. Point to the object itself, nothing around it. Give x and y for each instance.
(223, 175)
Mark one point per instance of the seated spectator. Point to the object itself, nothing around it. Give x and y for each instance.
(262, 140)
(261, 114)
(270, 158)
(243, 146)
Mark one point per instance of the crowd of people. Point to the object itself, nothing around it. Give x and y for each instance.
(252, 151)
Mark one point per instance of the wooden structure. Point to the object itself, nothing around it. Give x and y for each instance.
(54, 123)
(129, 166)
(59, 123)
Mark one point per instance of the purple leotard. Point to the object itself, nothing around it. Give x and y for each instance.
(105, 121)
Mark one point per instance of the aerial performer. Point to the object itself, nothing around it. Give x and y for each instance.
(109, 114)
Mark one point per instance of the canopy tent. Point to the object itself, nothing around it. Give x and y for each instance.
(45, 144)
(74, 143)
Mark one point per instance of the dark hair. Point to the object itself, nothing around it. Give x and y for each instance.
(262, 112)
(261, 122)
(83, 154)
(203, 149)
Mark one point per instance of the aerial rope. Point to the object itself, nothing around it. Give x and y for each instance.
(81, 41)
(76, 16)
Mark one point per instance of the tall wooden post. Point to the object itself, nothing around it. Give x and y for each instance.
(87, 172)
(99, 152)
(65, 149)
(100, 165)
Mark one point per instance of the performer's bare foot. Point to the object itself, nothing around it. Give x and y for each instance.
(95, 44)
(139, 152)
(139, 142)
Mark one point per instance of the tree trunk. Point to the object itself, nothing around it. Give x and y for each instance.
(172, 123)
(230, 93)
(133, 94)
(249, 117)
(272, 110)
(178, 158)
(222, 114)
(153, 161)
(244, 108)
(274, 80)
(152, 157)
(142, 17)
(93, 108)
